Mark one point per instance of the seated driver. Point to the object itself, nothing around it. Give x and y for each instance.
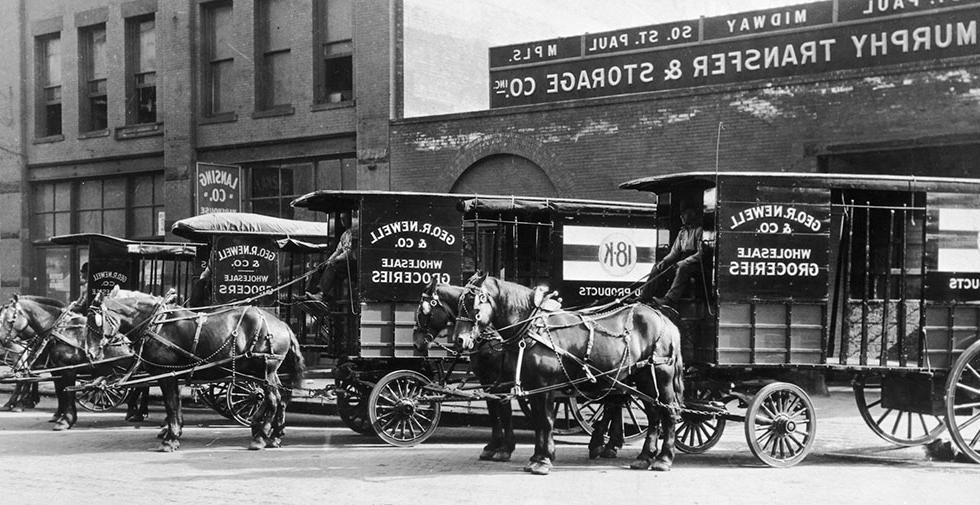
(685, 252)
(339, 266)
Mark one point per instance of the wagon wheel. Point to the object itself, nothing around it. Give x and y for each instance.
(899, 427)
(214, 395)
(103, 399)
(352, 407)
(963, 402)
(566, 414)
(399, 411)
(780, 425)
(697, 432)
(243, 400)
(635, 422)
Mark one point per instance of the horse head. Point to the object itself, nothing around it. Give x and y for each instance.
(435, 315)
(13, 321)
(122, 311)
(474, 312)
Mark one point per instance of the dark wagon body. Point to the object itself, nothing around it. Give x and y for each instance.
(873, 276)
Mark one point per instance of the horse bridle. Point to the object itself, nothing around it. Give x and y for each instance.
(432, 302)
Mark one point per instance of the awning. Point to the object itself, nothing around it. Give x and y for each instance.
(201, 228)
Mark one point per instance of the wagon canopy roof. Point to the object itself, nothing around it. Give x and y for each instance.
(335, 200)
(243, 223)
(526, 205)
(835, 181)
(159, 250)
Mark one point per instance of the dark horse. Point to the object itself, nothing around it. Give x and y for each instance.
(60, 342)
(14, 342)
(434, 320)
(593, 352)
(171, 342)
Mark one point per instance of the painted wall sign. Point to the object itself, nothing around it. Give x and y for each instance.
(407, 243)
(641, 37)
(849, 10)
(953, 251)
(604, 260)
(219, 188)
(243, 267)
(532, 52)
(927, 36)
(769, 20)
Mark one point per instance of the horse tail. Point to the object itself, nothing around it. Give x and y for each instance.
(296, 357)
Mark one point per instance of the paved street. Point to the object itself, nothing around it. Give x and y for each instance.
(106, 461)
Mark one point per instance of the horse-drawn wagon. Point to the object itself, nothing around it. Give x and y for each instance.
(408, 242)
(107, 261)
(874, 277)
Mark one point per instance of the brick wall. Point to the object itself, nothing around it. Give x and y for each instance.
(588, 147)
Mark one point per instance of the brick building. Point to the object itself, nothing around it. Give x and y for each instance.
(914, 110)
(111, 104)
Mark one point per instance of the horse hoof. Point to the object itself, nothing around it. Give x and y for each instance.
(135, 419)
(540, 468)
(61, 425)
(167, 447)
(594, 452)
(640, 464)
(500, 456)
(273, 443)
(486, 455)
(660, 466)
(608, 453)
(17, 408)
(256, 445)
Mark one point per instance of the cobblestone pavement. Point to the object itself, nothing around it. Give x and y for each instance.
(105, 460)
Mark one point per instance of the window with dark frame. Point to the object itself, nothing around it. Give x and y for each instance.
(273, 40)
(48, 78)
(93, 104)
(274, 185)
(334, 51)
(141, 76)
(218, 58)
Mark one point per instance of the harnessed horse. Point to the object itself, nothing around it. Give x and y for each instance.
(435, 314)
(238, 342)
(589, 352)
(61, 344)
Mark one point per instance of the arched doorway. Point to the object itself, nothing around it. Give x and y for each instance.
(505, 174)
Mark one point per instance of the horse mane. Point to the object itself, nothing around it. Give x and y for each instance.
(521, 297)
(44, 300)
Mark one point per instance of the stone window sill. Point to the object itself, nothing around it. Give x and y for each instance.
(282, 110)
(224, 117)
(134, 131)
(49, 139)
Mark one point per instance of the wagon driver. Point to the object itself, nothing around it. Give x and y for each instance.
(339, 265)
(685, 253)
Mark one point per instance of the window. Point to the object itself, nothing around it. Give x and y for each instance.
(141, 75)
(126, 207)
(218, 58)
(49, 85)
(273, 185)
(273, 21)
(334, 63)
(92, 79)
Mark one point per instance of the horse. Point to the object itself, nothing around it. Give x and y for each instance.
(237, 342)
(59, 342)
(434, 320)
(555, 350)
(13, 344)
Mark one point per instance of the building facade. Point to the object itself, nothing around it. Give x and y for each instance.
(827, 86)
(112, 106)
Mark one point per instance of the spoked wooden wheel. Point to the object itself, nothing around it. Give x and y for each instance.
(243, 400)
(214, 395)
(352, 407)
(101, 399)
(699, 432)
(899, 427)
(567, 420)
(780, 425)
(963, 402)
(634, 417)
(400, 412)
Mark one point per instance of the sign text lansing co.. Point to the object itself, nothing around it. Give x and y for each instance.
(219, 188)
(794, 40)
